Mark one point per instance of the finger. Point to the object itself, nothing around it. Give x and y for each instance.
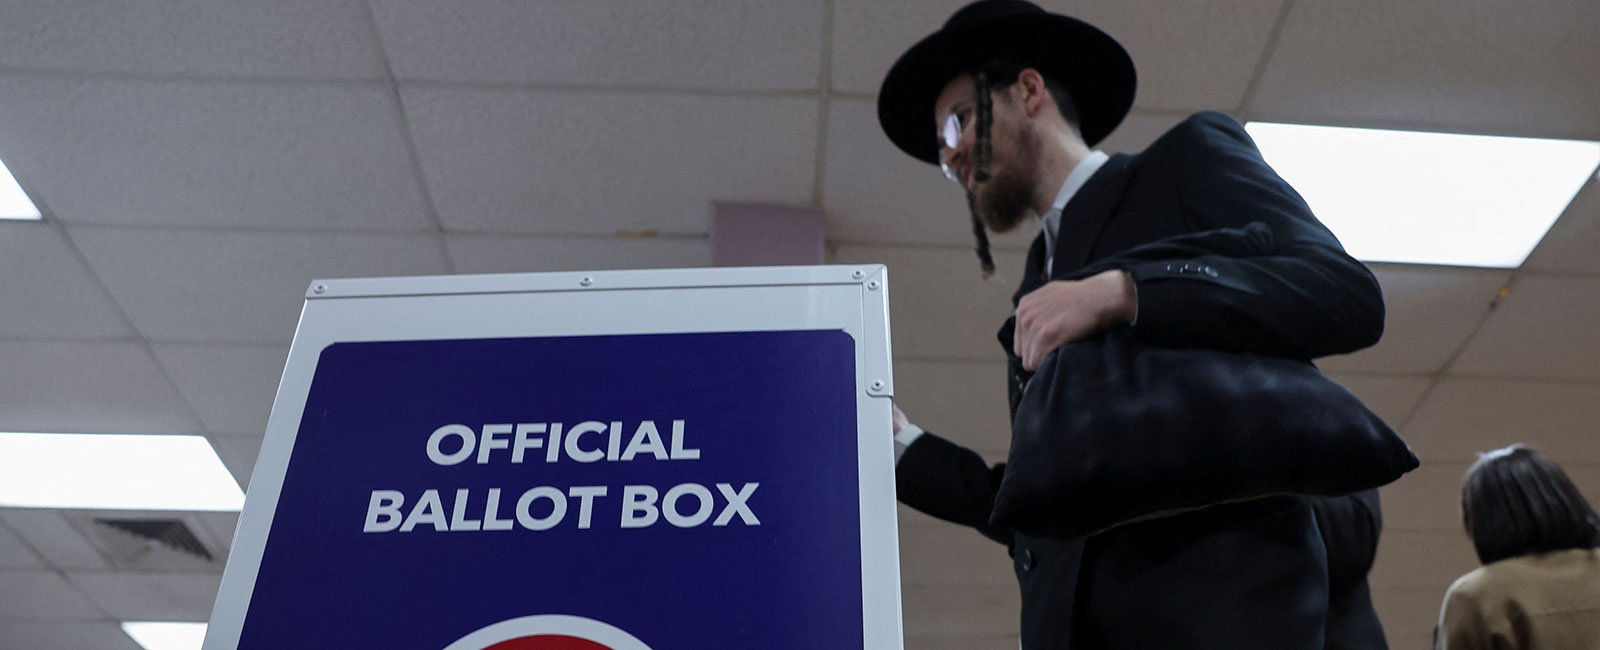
(1028, 362)
(1016, 335)
(1024, 344)
(1044, 349)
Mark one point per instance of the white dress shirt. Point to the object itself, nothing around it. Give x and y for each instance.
(1051, 221)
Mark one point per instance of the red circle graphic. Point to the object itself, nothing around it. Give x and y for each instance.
(547, 642)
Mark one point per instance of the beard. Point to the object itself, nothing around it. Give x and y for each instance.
(1001, 201)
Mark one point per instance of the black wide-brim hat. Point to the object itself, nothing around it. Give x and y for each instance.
(1095, 69)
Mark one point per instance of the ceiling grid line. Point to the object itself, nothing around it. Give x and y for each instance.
(824, 107)
(1444, 368)
(127, 321)
(1540, 274)
(59, 571)
(122, 314)
(430, 207)
(417, 82)
(1527, 381)
(21, 338)
(610, 89)
(196, 79)
(387, 231)
(1241, 112)
(6, 527)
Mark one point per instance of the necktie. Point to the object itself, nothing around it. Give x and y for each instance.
(1051, 225)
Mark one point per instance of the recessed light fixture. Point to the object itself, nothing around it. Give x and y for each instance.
(1430, 198)
(114, 472)
(14, 203)
(166, 636)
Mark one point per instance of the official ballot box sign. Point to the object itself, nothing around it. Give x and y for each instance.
(626, 460)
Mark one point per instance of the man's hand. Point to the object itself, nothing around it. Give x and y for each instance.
(1064, 311)
(900, 420)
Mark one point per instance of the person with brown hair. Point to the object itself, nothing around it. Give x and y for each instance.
(1537, 536)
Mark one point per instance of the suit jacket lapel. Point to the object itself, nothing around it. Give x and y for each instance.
(1086, 215)
(1081, 222)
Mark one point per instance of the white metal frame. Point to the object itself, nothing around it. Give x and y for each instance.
(853, 298)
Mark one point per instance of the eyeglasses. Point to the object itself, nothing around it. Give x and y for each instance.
(950, 136)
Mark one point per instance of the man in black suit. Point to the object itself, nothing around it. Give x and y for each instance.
(1008, 100)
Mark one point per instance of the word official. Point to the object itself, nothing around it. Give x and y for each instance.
(585, 442)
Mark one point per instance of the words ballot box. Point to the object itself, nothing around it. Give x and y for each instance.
(625, 460)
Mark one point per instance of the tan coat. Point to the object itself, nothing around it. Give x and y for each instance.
(1543, 602)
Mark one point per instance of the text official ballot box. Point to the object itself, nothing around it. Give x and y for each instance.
(694, 459)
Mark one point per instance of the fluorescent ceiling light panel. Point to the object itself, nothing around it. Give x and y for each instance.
(166, 636)
(14, 203)
(114, 472)
(1430, 198)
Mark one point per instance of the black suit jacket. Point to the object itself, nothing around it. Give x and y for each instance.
(1251, 575)
(1350, 527)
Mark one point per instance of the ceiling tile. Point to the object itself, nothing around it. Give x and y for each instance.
(1462, 65)
(1573, 243)
(1431, 559)
(874, 193)
(214, 154)
(230, 386)
(221, 524)
(42, 595)
(1390, 397)
(238, 287)
(521, 254)
(239, 454)
(49, 292)
(692, 44)
(563, 163)
(36, 635)
(1139, 130)
(869, 35)
(1431, 312)
(906, 516)
(954, 557)
(1463, 417)
(1189, 55)
(316, 39)
(973, 610)
(1547, 327)
(150, 596)
(939, 304)
(87, 387)
(1586, 476)
(55, 539)
(14, 553)
(1426, 499)
(963, 401)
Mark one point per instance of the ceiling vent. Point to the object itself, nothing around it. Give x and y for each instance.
(174, 534)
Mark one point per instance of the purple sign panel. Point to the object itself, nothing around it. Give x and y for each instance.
(634, 492)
